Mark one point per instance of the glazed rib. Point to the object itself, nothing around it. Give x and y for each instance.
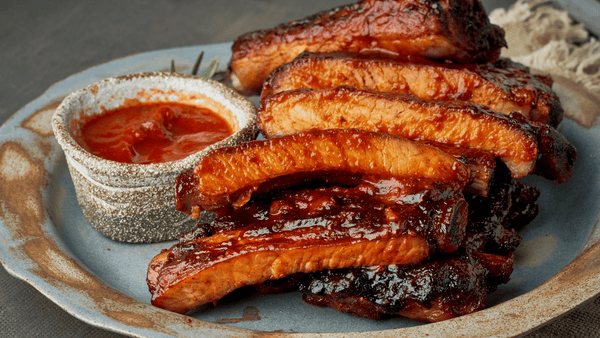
(419, 292)
(444, 228)
(481, 164)
(521, 145)
(503, 86)
(456, 30)
(191, 283)
(230, 176)
(467, 275)
(204, 270)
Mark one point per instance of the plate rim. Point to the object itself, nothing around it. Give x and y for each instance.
(583, 272)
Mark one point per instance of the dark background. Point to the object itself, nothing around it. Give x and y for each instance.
(42, 43)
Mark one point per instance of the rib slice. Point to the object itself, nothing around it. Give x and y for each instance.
(185, 284)
(453, 30)
(504, 87)
(510, 203)
(389, 198)
(521, 145)
(230, 176)
(203, 270)
(420, 292)
(482, 165)
(444, 286)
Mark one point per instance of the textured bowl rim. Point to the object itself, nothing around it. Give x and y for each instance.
(229, 97)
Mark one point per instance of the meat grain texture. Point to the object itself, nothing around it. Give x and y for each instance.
(502, 86)
(524, 146)
(455, 30)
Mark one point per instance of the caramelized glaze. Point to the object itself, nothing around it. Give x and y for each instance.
(420, 292)
(503, 86)
(453, 30)
(522, 145)
(230, 176)
(444, 286)
(379, 221)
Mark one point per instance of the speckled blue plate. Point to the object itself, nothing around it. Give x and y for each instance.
(46, 241)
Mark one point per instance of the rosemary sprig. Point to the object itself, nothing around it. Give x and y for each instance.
(208, 73)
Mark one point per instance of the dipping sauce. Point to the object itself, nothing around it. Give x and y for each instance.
(152, 133)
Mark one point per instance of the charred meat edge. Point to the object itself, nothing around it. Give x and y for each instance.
(204, 269)
(229, 260)
(453, 30)
(503, 86)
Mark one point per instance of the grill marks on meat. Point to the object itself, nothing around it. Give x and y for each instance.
(453, 30)
(384, 221)
(504, 87)
(522, 145)
(229, 176)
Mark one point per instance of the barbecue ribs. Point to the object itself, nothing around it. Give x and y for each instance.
(455, 30)
(503, 86)
(524, 146)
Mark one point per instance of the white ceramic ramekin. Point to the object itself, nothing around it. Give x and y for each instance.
(136, 202)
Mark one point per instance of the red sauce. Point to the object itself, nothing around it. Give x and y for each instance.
(152, 133)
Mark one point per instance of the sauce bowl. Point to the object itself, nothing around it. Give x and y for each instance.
(136, 202)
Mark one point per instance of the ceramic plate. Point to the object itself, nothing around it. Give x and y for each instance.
(46, 241)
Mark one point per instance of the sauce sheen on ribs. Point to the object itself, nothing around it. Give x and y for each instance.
(522, 145)
(455, 30)
(482, 165)
(213, 270)
(444, 286)
(386, 185)
(420, 292)
(503, 86)
(385, 222)
(366, 194)
(230, 176)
